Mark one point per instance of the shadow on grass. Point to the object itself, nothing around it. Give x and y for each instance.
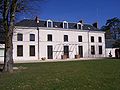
(1, 67)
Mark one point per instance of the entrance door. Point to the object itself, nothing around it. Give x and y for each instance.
(66, 51)
(50, 52)
(80, 50)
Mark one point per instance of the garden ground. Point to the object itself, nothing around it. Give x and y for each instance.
(75, 75)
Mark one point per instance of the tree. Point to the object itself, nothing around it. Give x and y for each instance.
(8, 10)
(112, 29)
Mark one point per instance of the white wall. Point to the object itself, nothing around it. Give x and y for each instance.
(26, 42)
(112, 50)
(57, 42)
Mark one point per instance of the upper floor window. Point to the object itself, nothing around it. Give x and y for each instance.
(49, 37)
(79, 38)
(79, 26)
(92, 38)
(65, 25)
(99, 39)
(19, 37)
(65, 38)
(49, 23)
(32, 37)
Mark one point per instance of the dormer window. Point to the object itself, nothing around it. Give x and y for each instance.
(79, 26)
(49, 23)
(65, 25)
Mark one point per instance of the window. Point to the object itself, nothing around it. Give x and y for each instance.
(65, 25)
(100, 39)
(79, 38)
(32, 37)
(65, 38)
(32, 50)
(92, 38)
(19, 37)
(49, 37)
(79, 26)
(93, 50)
(49, 23)
(100, 49)
(19, 50)
(50, 51)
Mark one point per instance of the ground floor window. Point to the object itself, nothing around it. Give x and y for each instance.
(32, 50)
(66, 51)
(80, 50)
(19, 50)
(100, 49)
(50, 52)
(93, 50)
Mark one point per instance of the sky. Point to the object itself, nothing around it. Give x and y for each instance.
(89, 11)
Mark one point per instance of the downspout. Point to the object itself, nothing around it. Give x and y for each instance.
(88, 44)
(38, 43)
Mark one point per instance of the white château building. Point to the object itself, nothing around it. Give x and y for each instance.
(57, 40)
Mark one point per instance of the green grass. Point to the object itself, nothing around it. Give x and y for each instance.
(77, 75)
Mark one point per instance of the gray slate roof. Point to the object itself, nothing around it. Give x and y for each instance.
(32, 23)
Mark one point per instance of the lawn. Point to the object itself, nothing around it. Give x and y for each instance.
(75, 75)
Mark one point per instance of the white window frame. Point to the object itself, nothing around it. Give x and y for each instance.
(65, 22)
(79, 24)
(50, 22)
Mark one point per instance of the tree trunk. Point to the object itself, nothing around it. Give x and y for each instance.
(8, 58)
(8, 55)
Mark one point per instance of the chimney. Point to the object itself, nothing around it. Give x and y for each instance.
(95, 24)
(37, 20)
(81, 21)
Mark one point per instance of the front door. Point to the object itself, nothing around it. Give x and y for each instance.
(66, 51)
(50, 52)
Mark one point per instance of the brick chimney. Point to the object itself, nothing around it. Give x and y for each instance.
(95, 24)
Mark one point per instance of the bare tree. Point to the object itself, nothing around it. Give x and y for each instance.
(8, 10)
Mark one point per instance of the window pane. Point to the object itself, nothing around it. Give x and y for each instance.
(92, 39)
(93, 50)
(100, 49)
(19, 50)
(32, 37)
(19, 37)
(79, 38)
(49, 24)
(65, 25)
(65, 38)
(32, 50)
(79, 26)
(49, 37)
(100, 39)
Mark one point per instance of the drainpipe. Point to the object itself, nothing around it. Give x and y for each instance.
(37, 21)
(38, 43)
(88, 44)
